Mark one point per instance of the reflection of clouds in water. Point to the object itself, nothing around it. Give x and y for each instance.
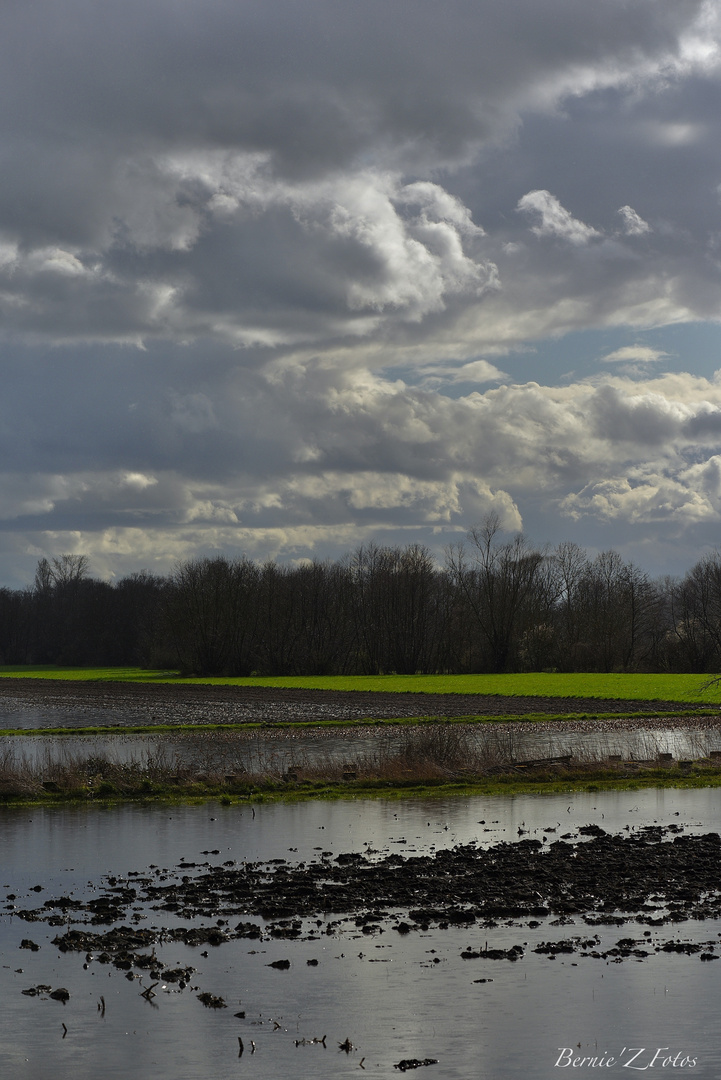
(381, 991)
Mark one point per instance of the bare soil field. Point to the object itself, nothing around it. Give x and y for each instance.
(196, 703)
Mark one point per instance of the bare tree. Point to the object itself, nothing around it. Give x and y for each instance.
(571, 567)
(398, 618)
(209, 613)
(507, 587)
(616, 607)
(65, 570)
(697, 615)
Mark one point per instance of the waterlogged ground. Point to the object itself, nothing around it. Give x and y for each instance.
(275, 752)
(531, 973)
(329, 939)
(47, 702)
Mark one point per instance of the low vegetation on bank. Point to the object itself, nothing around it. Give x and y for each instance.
(438, 759)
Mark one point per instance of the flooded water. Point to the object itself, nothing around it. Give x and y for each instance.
(19, 713)
(276, 751)
(387, 998)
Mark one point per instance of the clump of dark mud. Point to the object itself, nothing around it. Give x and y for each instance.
(414, 1063)
(605, 880)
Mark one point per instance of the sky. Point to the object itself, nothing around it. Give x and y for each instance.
(278, 279)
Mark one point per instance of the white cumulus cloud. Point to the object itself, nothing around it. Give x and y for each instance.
(554, 220)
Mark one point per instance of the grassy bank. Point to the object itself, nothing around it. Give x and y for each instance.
(91, 674)
(633, 687)
(198, 793)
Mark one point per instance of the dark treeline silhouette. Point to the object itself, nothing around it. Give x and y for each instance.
(497, 605)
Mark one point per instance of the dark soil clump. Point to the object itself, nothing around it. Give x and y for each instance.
(605, 880)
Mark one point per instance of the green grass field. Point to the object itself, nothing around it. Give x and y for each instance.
(643, 687)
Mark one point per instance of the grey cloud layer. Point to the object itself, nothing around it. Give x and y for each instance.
(319, 83)
(281, 203)
(272, 462)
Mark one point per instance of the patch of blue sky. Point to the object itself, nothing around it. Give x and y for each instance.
(694, 347)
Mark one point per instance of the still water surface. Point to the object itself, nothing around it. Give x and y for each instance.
(282, 749)
(384, 993)
(276, 750)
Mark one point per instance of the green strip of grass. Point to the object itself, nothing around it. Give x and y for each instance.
(93, 674)
(636, 687)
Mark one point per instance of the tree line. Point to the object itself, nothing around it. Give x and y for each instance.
(496, 605)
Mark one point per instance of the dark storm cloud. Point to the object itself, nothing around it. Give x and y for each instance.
(241, 169)
(319, 87)
(314, 83)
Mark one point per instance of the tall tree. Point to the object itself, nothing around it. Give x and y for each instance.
(210, 614)
(506, 586)
(398, 616)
